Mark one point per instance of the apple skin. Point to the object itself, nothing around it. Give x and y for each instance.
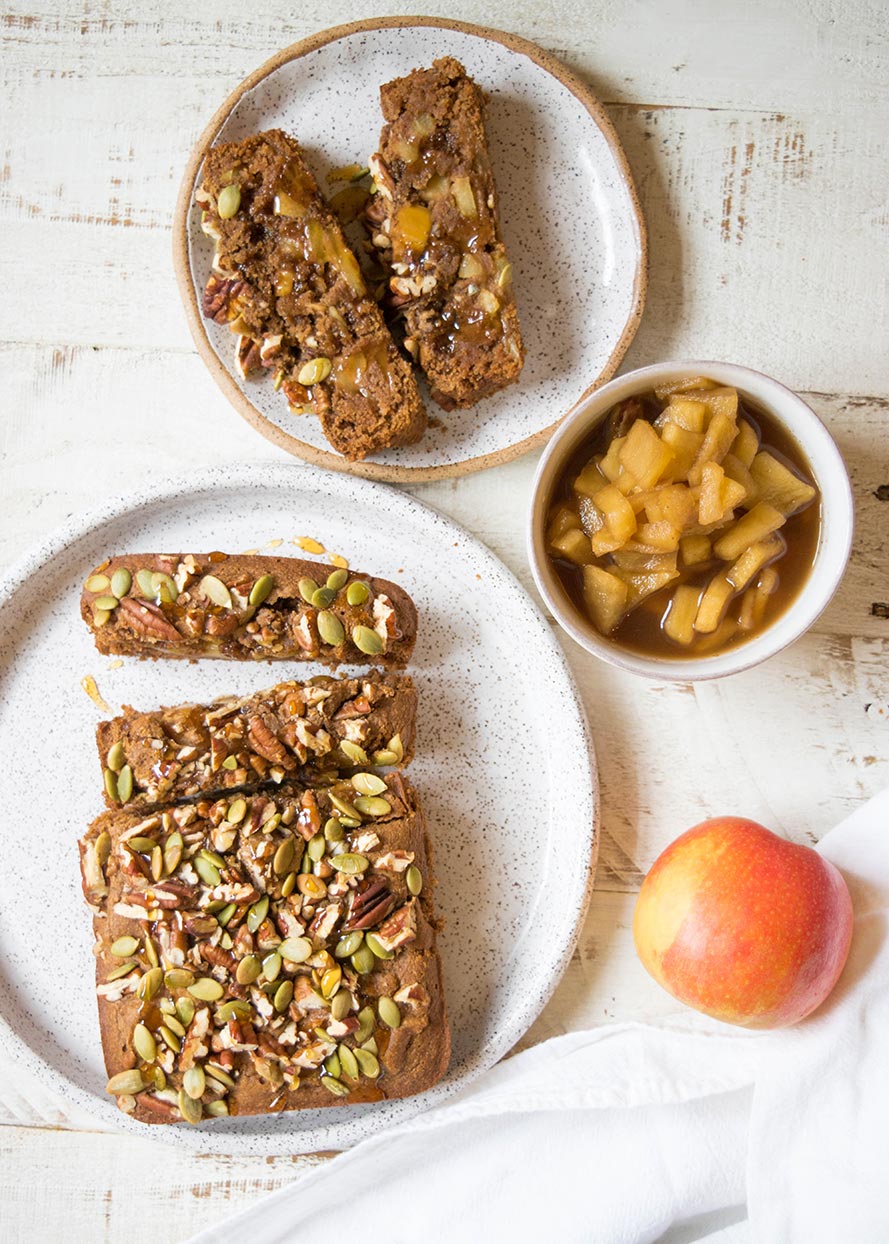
(743, 925)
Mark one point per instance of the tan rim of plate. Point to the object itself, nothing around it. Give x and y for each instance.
(225, 381)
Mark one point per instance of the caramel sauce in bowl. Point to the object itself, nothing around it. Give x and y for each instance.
(817, 568)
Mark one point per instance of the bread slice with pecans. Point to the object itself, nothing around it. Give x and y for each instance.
(434, 222)
(246, 608)
(267, 952)
(292, 730)
(285, 280)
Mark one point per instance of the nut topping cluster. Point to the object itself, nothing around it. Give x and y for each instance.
(267, 936)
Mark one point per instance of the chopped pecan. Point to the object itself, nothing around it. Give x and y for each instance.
(309, 820)
(358, 706)
(147, 619)
(266, 744)
(217, 956)
(248, 356)
(221, 295)
(158, 1106)
(222, 624)
(193, 1047)
(400, 928)
(370, 904)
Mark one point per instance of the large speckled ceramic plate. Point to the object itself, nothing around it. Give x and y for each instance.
(504, 765)
(570, 218)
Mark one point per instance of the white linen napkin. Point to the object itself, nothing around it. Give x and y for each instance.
(684, 1131)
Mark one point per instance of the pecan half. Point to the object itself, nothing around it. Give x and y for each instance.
(147, 619)
(370, 904)
(220, 295)
(266, 744)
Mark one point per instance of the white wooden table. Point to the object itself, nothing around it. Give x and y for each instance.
(756, 132)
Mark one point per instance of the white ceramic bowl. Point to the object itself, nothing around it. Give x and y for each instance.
(834, 544)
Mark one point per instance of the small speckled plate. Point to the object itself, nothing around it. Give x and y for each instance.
(571, 221)
(504, 764)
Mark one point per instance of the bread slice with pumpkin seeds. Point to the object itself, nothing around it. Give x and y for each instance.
(246, 608)
(295, 729)
(267, 952)
(286, 282)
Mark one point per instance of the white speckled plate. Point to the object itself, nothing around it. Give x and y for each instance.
(570, 218)
(504, 764)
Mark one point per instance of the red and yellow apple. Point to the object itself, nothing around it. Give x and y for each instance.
(744, 925)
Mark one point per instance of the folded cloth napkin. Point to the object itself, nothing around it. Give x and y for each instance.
(685, 1131)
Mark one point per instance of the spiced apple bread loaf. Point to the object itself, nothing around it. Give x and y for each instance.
(243, 608)
(286, 282)
(325, 725)
(267, 952)
(434, 222)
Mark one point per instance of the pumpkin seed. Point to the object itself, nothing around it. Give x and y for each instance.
(350, 863)
(395, 745)
(330, 628)
(355, 753)
(271, 966)
(140, 845)
(257, 913)
(150, 984)
(226, 941)
(384, 757)
(230, 762)
(143, 582)
(106, 602)
(414, 880)
(283, 996)
(373, 805)
(167, 1005)
(284, 856)
(173, 1023)
(229, 201)
(213, 857)
(332, 1064)
(178, 978)
(122, 969)
(323, 598)
(379, 950)
(342, 805)
(218, 1074)
(97, 583)
(333, 830)
(363, 960)
(348, 1063)
(368, 784)
(185, 1009)
(151, 952)
(248, 970)
(173, 852)
(260, 591)
(101, 616)
(121, 582)
(125, 784)
(367, 1022)
(314, 371)
(288, 885)
(192, 1111)
(160, 1080)
(206, 989)
(216, 591)
(348, 944)
(357, 592)
(340, 1004)
(367, 641)
(110, 778)
(115, 758)
(337, 579)
(330, 981)
(236, 1008)
(335, 1086)
(217, 1109)
(236, 810)
(307, 589)
(368, 1063)
(103, 847)
(388, 1012)
(170, 1039)
(226, 914)
(157, 864)
(125, 1082)
(123, 947)
(207, 871)
(195, 1082)
(163, 589)
(295, 949)
(316, 848)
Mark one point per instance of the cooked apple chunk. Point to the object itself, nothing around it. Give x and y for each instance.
(605, 596)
